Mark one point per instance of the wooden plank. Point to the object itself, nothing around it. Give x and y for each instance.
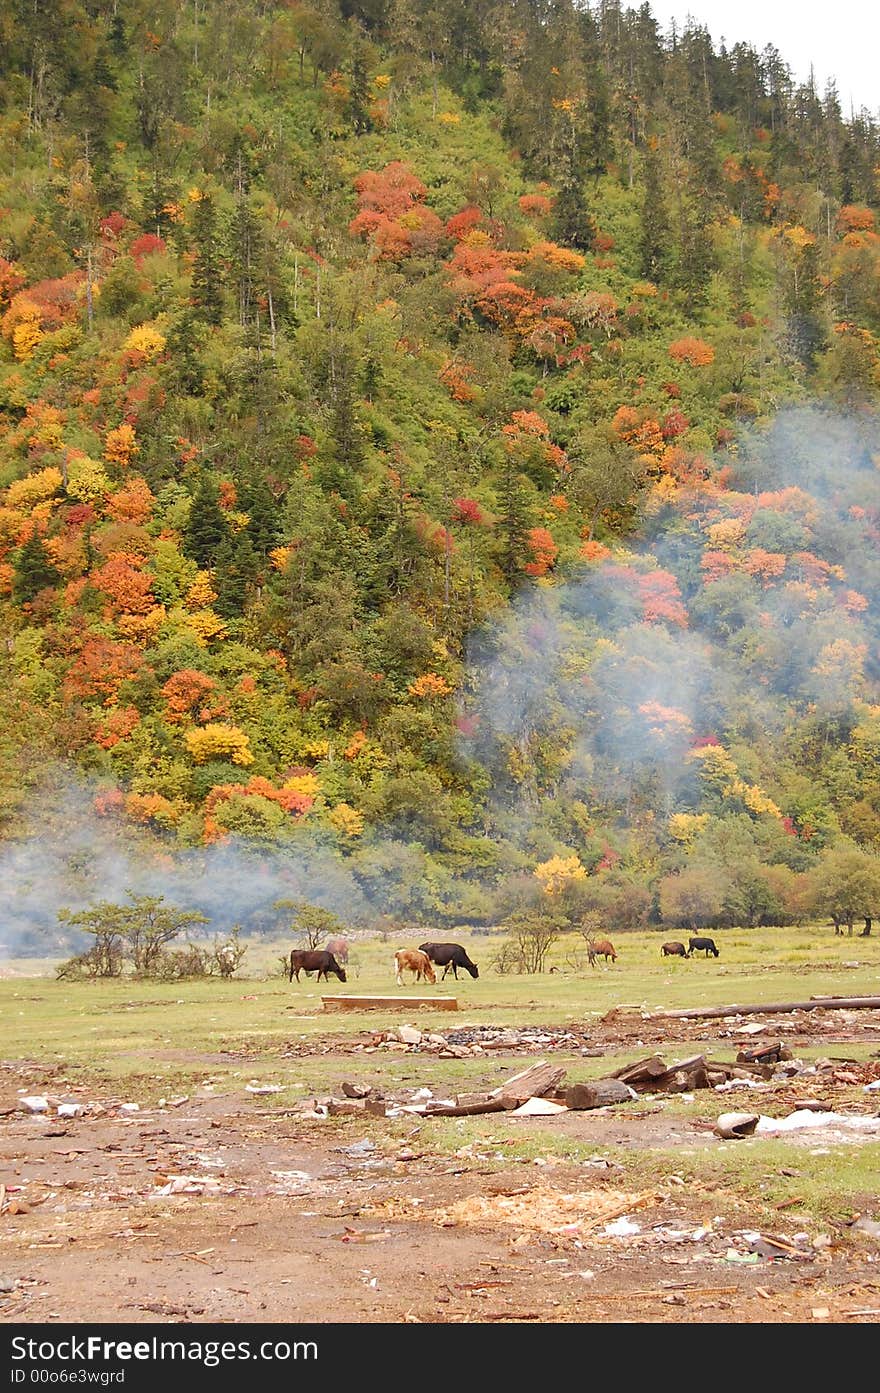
(641, 1070)
(389, 1003)
(534, 1082)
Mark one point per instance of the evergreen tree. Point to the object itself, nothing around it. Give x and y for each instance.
(359, 91)
(574, 224)
(348, 441)
(206, 293)
(206, 528)
(655, 232)
(34, 571)
(235, 568)
(264, 526)
(513, 519)
(805, 331)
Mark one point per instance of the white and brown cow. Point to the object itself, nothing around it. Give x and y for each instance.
(413, 960)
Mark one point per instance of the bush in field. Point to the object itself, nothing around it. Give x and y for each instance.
(532, 935)
(173, 966)
(226, 956)
(101, 960)
(138, 930)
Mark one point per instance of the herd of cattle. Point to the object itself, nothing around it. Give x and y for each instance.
(421, 961)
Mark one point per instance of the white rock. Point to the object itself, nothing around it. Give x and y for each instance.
(69, 1109)
(34, 1103)
(409, 1035)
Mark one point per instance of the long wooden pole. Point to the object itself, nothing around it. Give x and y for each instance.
(775, 1008)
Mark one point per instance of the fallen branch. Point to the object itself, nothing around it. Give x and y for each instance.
(776, 1008)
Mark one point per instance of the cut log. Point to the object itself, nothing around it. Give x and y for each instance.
(742, 1071)
(534, 1082)
(641, 1071)
(771, 1008)
(467, 1109)
(764, 1054)
(598, 1093)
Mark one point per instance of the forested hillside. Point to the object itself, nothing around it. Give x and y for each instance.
(439, 445)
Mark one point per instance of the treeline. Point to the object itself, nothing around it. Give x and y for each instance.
(391, 456)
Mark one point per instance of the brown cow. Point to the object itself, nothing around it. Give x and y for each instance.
(339, 948)
(673, 949)
(412, 960)
(602, 948)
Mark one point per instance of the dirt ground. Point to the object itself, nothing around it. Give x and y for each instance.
(284, 1217)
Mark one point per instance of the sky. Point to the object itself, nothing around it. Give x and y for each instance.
(840, 39)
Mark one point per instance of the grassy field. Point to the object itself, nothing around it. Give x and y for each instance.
(144, 1041)
(151, 1036)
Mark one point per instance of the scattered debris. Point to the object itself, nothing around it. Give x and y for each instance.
(798, 1121)
(538, 1107)
(733, 1126)
(621, 1228)
(34, 1103)
(192, 1185)
(867, 1226)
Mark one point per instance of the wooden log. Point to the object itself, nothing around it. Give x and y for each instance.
(742, 1071)
(763, 1054)
(389, 1003)
(642, 1070)
(534, 1082)
(486, 1104)
(774, 1008)
(598, 1093)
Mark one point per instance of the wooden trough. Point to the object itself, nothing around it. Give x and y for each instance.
(388, 1003)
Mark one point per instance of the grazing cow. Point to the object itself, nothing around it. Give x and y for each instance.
(339, 948)
(673, 950)
(602, 948)
(411, 960)
(314, 960)
(702, 945)
(449, 955)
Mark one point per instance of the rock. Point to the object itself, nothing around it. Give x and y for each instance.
(34, 1103)
(867, 1226)
(409, 1035)
(69, 1109)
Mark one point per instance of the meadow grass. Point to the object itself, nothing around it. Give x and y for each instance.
(145, 1040)
(245, 1025)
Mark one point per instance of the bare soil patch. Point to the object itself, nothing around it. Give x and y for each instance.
(235, 1209)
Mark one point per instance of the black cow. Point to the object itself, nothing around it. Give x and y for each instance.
(706, 945)
(673, 950)
(311, 960)
(449, 955)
